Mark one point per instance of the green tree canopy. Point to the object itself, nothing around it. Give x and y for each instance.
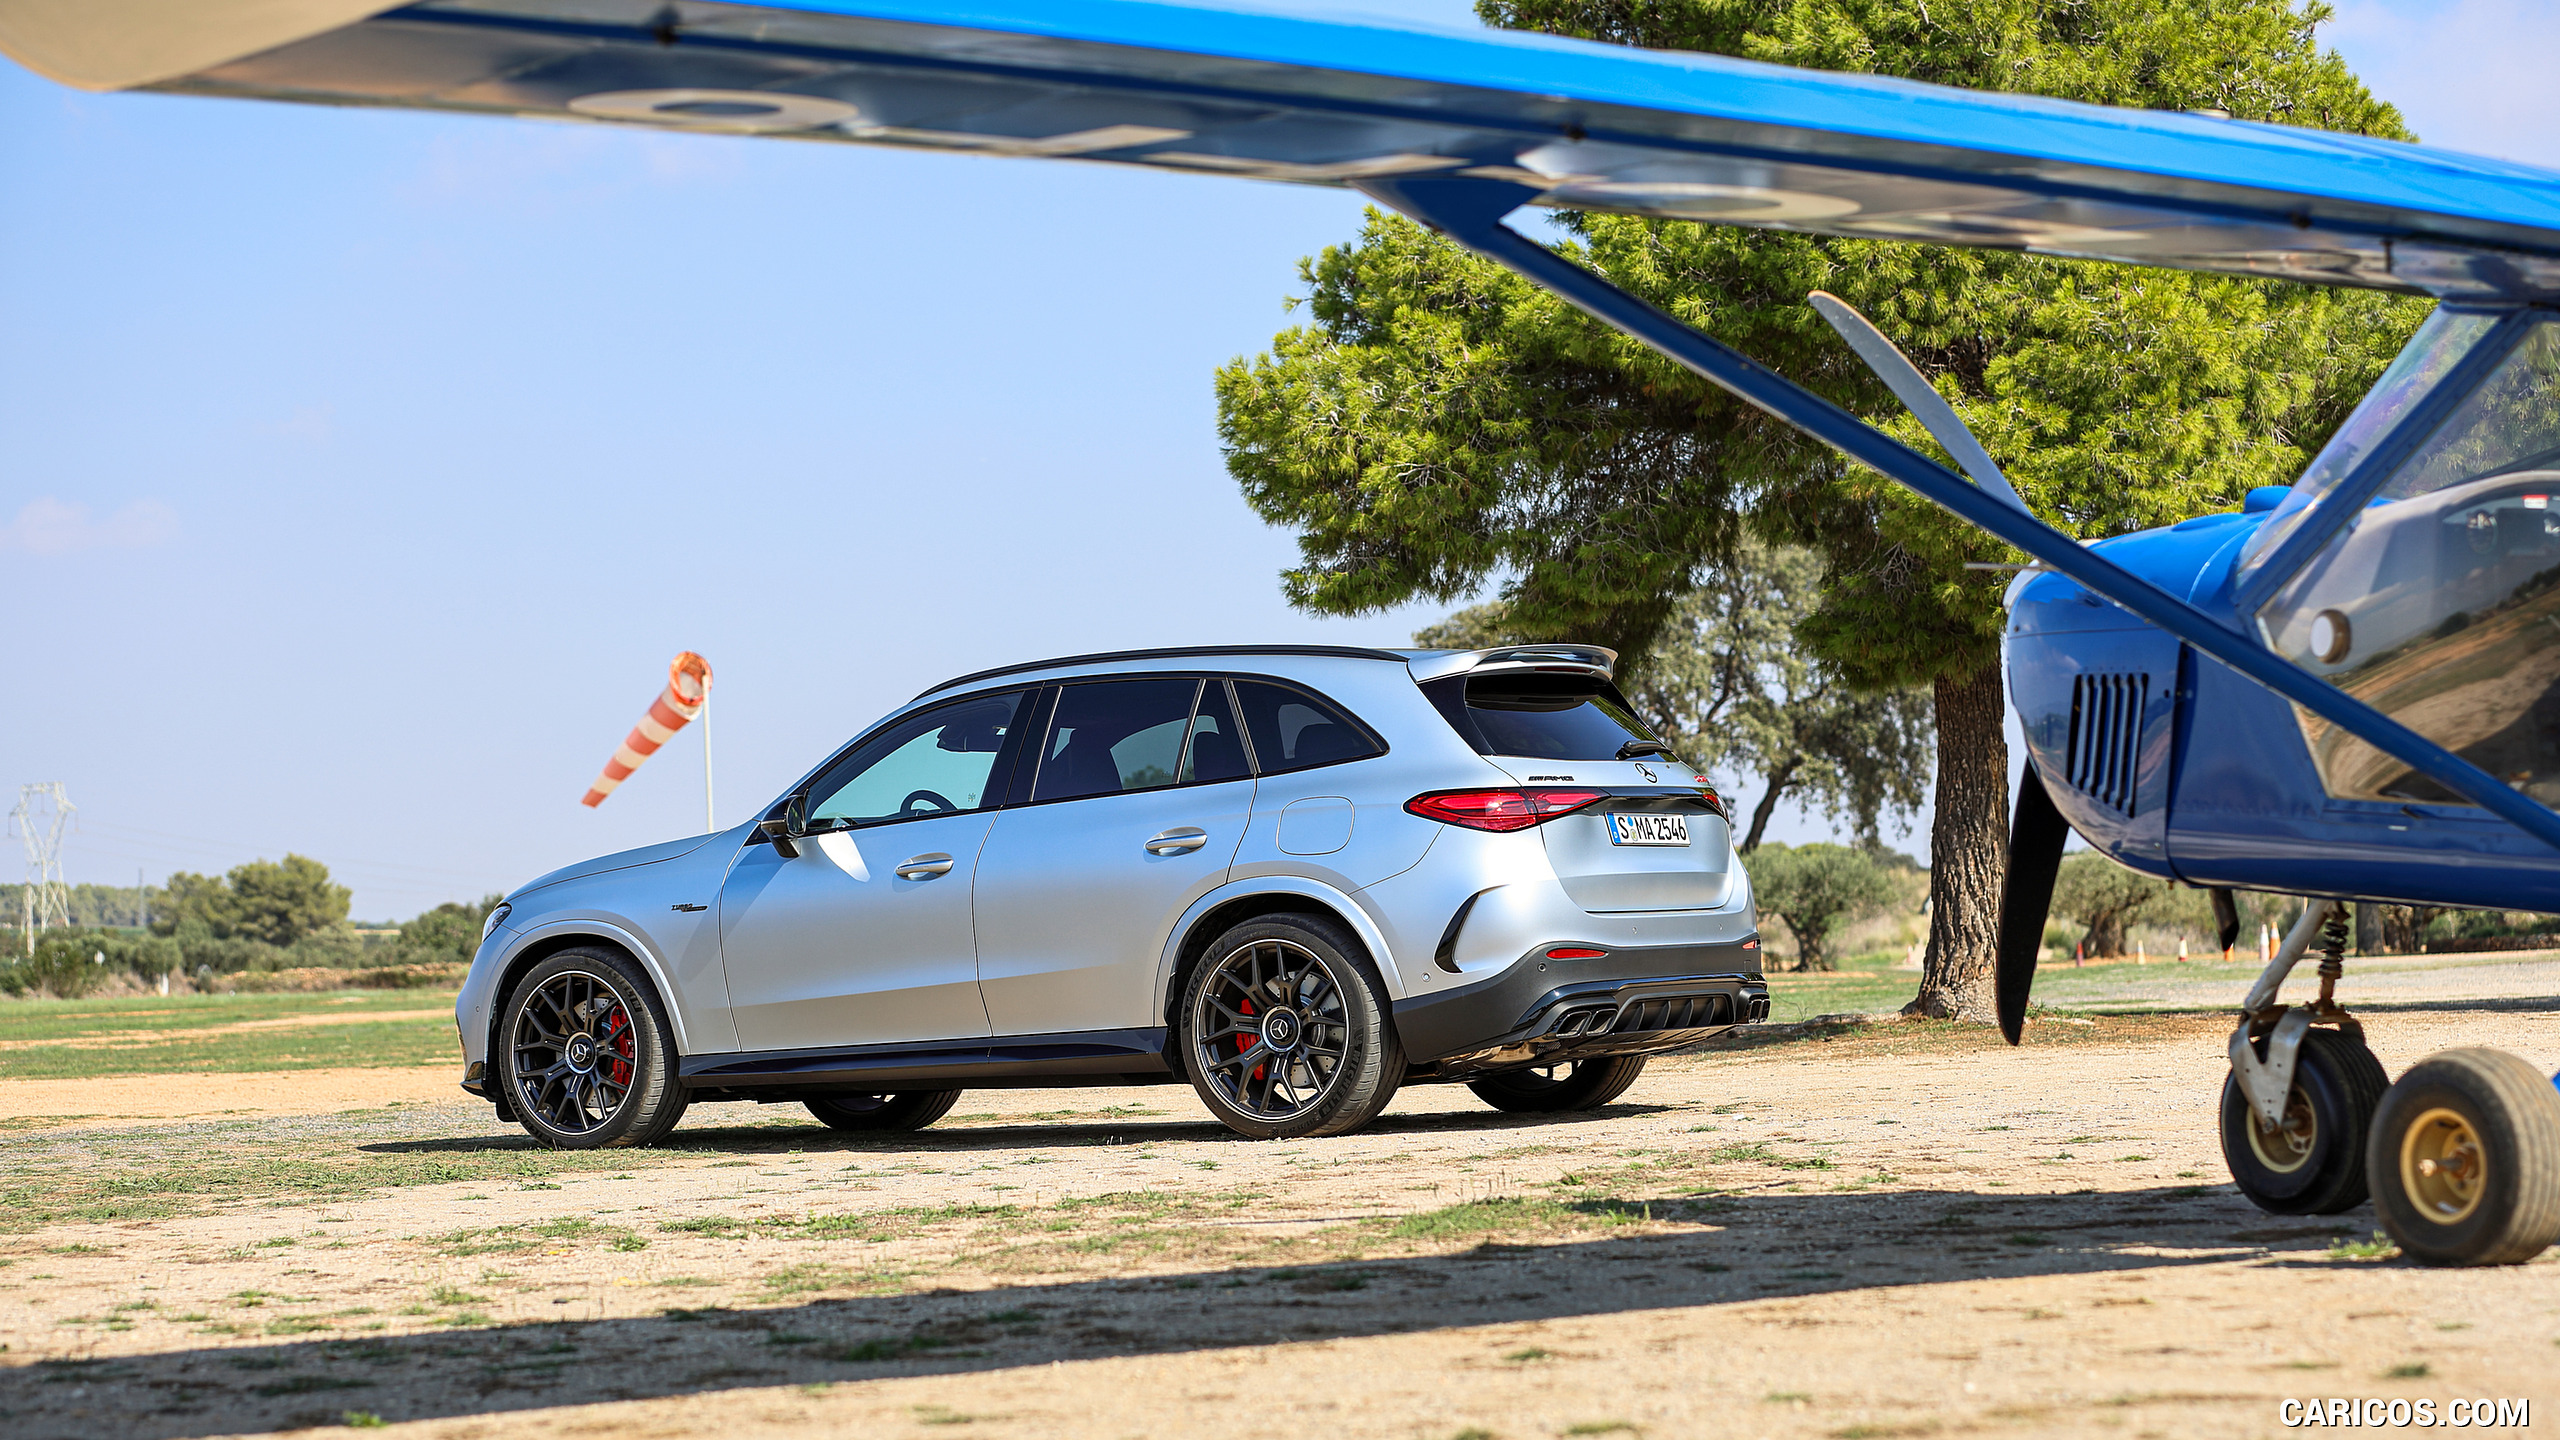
(1440, 426)
(272, 902)
(1818, 890)
(1730, 688)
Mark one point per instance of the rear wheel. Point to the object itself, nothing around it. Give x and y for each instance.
(588, 1057)
(2313, 1163)
(2465, 1160)
(1285, 1031)
(1577, 1085)
(906, 1110)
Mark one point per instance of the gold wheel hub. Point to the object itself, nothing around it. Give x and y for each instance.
(2288, 1146)
(2442, 1166)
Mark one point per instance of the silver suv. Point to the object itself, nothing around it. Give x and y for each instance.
(1295, 877)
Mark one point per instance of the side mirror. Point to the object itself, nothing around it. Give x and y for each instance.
(785, 829)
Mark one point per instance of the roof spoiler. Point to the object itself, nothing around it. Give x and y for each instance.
(1596, 660)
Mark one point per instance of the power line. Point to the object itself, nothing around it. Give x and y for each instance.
(43, 814)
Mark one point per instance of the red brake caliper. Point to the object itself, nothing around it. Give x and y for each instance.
(617, 1030)
(1245, 1042)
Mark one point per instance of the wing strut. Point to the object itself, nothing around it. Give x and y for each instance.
(1471, 212)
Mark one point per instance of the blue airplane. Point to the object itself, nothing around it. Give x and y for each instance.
(2349, 690)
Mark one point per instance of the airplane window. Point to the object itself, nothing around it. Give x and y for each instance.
(2440, 604)
(2445, 338)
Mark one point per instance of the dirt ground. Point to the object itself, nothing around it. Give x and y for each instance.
(1899, 1231)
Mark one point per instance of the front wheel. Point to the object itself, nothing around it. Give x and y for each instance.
(2313, 1163)
(907, 1110)
(1580, 1085)
(1284, 1031)
(587, 1054)
(2465, 1160)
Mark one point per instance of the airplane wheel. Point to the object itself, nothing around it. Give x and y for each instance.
(2313, 1164)
(2465, 1160)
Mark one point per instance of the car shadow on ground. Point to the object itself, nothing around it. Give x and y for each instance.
(1771, 1246)
(949, 1139)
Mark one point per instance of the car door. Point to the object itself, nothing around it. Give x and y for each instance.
(865, 937)
(1140, 794)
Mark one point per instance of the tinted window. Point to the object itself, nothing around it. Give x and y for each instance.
(1216, 751)
(1115, 735)
(1542, 717)
(935, 763)
(1295, 730)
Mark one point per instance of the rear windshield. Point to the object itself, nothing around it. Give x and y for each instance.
(1539, 717)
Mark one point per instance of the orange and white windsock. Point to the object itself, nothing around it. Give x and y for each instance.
(688, 687)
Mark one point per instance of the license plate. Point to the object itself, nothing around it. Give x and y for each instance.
(1649, 828)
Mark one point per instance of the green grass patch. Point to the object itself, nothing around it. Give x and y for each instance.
(150, 1035)
(1484, 1217)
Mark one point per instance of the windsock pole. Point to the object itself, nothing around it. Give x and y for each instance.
(688, 690)
(710, 826)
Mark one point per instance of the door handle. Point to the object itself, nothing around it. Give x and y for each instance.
(1180, 840)
(924, 867)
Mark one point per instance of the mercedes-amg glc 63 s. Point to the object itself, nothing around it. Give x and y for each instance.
(1294, 877)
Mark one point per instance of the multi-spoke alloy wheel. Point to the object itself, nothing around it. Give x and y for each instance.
(1575, 1085)
(1284, 1031)
(587, 1053)
(572, 1051)
(1269, 1031)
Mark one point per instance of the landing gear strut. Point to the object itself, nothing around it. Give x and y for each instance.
(2299, 1102)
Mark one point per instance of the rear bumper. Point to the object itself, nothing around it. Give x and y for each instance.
(1628, 1002)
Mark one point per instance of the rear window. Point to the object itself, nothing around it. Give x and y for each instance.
(1539, 717)
(1295, 729)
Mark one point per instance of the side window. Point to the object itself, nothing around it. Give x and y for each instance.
(1293, 729)
(936, 763)
(1115, 735)
(1216, 752)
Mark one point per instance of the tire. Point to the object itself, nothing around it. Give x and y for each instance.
(2464, 1160)
(617, 1088)
(2315, 1165)
(1340, 1061)
(906, 1110)
(1586, 1085)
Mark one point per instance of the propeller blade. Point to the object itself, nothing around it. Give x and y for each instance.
(2036, 837)
(1914, 390)
(2226, 916)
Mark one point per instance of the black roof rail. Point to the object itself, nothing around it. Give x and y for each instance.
(1339, 652)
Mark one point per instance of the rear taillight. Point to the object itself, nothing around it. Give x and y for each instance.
(1500, 809)
(1716, 803)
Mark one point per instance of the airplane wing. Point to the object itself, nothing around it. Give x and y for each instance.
(1345, 101)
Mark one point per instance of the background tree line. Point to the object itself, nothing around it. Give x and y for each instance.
(1438, 427)
(262, 916)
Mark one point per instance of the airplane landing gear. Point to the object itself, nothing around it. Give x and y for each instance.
(2464, 1160)
(2311, 1161)
(2299, 1102)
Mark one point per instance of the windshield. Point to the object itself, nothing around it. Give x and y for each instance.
(2439, 603)
(2441, 341)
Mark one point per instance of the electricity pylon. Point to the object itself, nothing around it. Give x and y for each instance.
(43, 814)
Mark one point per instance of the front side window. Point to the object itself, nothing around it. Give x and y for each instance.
(2439, 604)
(1544, 716)
(935, 763)
(1115, 735)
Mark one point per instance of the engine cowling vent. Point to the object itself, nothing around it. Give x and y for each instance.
(2106, 737)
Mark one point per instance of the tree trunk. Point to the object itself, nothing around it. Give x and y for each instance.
(1968, 849)
(1760, 813)
(2105, 940)
(1810, 954)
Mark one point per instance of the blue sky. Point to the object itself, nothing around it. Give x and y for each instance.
(360, 472)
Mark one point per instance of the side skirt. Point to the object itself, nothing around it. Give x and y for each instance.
(1085, 1057)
